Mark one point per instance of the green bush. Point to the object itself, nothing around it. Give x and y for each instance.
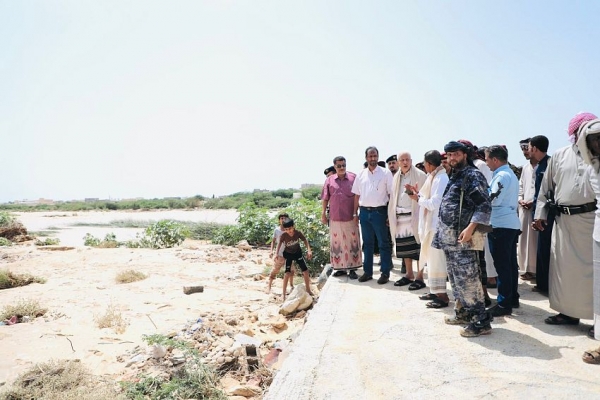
(109, 241)
(203, 230)
(312, 192)
(90, 240)
(5, 242)
(47, 242)
(6, 219)
(164, 234)
(254, 225)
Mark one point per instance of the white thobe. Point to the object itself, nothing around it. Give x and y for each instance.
(527, 247)
(571, 276)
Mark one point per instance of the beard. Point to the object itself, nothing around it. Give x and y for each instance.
(460, 164)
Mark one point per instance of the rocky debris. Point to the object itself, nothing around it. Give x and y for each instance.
(297, 300)
(224, 254)
(243, 245)
(15, 232)
(243, 346)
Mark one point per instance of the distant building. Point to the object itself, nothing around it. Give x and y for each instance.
(310, 185)
(91, 199)
(35, 202)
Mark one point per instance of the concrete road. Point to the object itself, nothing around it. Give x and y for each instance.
(370, 341)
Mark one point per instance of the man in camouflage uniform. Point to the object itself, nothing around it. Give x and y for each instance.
(456, 236)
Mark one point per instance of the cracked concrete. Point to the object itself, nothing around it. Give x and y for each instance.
(370, 341)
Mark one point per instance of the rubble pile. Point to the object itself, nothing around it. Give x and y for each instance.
(243, 348)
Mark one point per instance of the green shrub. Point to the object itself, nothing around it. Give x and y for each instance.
(109, 241)
(256, 226)
(4, 242)
(6, 218)
(312, 192)
(47, 242)
(203, 230)
(164, 234)
(90, 240)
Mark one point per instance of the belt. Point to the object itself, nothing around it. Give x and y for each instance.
(572, 210)
(373, 208)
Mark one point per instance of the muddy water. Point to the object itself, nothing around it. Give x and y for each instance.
(66, 229)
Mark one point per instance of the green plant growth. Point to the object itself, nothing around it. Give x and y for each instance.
(109, 241)
(194, 380)
(6, 218)
(256, 226)
(47, 242)
(31, 308)
(9, 280)
(4, 242)
(253, 224)
(158, 235)
(164, 234)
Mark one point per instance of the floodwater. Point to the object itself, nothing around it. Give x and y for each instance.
(65, 224)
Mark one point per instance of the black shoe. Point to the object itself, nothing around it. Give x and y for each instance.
(384, 278)
(353, 275)
(341, 272)
(488, 302)
(516, 304)
(498, 311)
(365, 277)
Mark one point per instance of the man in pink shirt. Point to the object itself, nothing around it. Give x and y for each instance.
(346, 254)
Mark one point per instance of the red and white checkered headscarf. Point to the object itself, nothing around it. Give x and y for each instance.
(578, 120)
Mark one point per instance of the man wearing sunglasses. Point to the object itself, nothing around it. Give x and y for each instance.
(346, 254)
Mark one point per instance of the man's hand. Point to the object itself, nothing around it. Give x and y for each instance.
(525, 204)
(539, 224)
(465, 235)
(324, 219)
(309, 255)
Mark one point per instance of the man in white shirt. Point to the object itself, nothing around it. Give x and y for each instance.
(372, 188)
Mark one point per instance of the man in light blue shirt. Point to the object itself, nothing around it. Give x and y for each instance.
(504, 194)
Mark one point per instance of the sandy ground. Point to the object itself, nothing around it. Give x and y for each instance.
(81, 286)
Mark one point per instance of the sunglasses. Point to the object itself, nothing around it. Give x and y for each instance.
(524, 147)
(341, 166)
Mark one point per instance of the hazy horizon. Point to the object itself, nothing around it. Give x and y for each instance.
(154, 99)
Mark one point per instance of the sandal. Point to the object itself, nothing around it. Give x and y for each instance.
(417, 285)
(561, 319)
(428, 296)
(403, 282)
(437, 303)
(527, 276)
(591, 356)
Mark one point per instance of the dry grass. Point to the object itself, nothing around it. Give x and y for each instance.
(130, 276)
(9, 280)
(60, 380)
(112, 318)
(31, 308)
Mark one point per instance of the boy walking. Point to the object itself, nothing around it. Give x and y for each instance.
(278, 258)
(290, 243)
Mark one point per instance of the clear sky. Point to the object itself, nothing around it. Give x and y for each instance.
(151, 99)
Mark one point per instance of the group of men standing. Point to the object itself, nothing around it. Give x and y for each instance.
(448, 215)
